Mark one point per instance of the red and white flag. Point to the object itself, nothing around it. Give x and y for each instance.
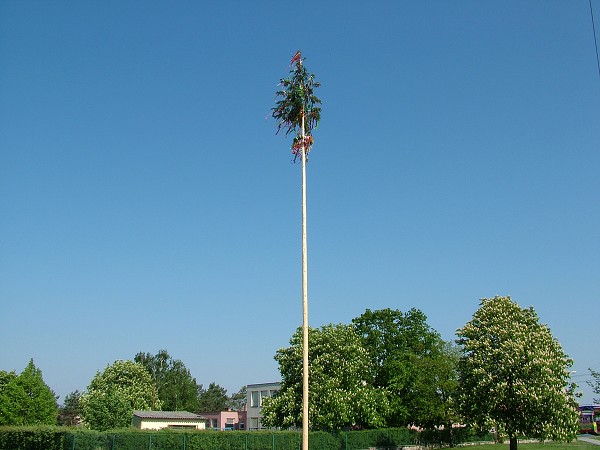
(297, 57)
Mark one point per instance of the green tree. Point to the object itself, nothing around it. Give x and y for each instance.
(69, 413)
(435, 383)
(341, 384)
(12, 399)
(213, 399)
(411, 362)
(115, 393)
(176, 388)
(514, 375)
(25, 399)
(237, 401)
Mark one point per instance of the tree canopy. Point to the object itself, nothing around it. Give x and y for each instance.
(514, 375)
(176, 388)
(237, 401)
(115, 393)
(411, 362)
(70, 411)
(25, 399)
(386, 369)
(341, 384)
(213, 399)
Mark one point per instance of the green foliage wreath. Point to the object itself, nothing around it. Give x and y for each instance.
(297, 108)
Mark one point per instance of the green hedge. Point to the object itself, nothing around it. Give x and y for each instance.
(55, 438)
(31, 438)
(382, 438)
(86, 440)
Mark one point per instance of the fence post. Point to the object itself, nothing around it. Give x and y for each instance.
(150, 442)
(113, 442)
(184, 440)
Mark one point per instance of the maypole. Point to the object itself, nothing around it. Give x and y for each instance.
(305, 424)
(297, 111)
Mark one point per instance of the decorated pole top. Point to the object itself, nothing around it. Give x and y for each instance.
(297, 108)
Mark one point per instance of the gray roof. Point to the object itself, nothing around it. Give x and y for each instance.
(271, 384)
(167, 415)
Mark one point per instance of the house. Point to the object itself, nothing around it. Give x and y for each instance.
(155, 420)
(255, 393)
(225, 420)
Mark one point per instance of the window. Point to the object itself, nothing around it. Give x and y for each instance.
(255, 399)
(215, 423)
(263, 394)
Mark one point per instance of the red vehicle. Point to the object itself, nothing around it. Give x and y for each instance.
(589, 419)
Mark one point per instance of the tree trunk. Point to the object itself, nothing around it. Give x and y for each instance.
(513, 443)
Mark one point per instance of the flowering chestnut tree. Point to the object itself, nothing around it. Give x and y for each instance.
(341, 383)
(115, 393)
(514, 375)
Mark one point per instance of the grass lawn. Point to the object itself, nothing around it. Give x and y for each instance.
(575, 445)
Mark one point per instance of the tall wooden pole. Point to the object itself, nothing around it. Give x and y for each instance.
(304, 301)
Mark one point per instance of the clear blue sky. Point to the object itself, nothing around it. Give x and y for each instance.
(146, 202)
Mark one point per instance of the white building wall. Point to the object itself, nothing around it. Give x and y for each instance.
(255, 393)
(157, 424)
